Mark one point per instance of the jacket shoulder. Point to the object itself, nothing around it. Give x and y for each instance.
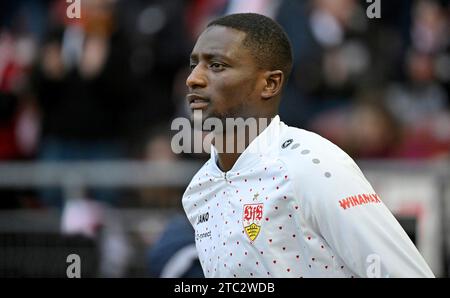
(318, 165)
(300, 145)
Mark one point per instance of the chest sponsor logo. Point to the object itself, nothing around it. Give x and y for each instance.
(253, 214)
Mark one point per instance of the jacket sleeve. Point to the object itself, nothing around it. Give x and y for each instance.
(344, 209)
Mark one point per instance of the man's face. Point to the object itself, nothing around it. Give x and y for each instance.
(224, 81)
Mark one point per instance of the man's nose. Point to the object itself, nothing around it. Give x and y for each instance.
(196, 79)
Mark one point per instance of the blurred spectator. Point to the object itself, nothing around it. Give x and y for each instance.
(420, 96)
(157, 30)
(331, 61)
(19, 122)
(85, 93)
(157, 148)
(373, 132)
(364, 130)
(429, 31)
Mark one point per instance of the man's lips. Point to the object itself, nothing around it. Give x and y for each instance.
(197, 101)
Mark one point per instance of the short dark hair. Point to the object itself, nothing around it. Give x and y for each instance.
(268, 42)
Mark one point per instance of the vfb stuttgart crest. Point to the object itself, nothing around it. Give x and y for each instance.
(253, 214)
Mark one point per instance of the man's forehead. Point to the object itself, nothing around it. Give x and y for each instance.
(219, 40)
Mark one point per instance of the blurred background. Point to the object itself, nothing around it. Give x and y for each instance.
(86, 104)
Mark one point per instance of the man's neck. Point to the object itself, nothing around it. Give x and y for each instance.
(226, 161)
(227, 158)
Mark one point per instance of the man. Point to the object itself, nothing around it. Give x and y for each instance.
(292, 204)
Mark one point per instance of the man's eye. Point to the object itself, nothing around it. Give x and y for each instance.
(192, 66)
(216, 66)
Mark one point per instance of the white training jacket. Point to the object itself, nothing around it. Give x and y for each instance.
(297, 207)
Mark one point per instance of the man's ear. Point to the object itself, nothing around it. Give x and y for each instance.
(274, 82)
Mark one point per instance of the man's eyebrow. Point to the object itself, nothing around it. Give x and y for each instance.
(209, 56)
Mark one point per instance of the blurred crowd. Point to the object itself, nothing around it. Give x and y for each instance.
(97, 86)
(107, 85)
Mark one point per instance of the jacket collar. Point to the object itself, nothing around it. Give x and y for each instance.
(263, 145)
